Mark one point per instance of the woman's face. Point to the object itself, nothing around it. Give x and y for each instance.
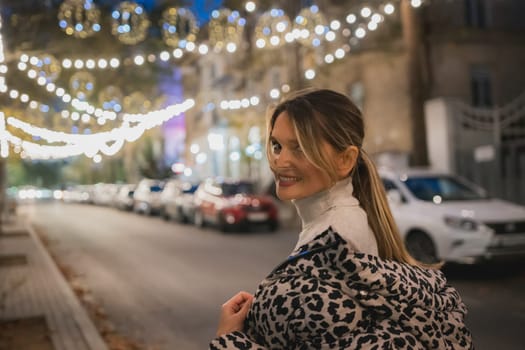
(295, 176)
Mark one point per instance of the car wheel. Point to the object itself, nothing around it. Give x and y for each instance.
(421, 247)
(274, 225)
(223, 225)
(181, 217)
(198, 219)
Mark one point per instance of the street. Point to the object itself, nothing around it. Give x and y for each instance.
(162, 283)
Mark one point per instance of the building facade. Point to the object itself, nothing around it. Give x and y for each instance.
(470, 50)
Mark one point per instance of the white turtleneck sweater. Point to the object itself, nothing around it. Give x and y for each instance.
(337, 208)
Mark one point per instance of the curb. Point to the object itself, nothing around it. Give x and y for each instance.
(88, 330)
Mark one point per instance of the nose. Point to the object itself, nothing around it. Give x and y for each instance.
(283, 159)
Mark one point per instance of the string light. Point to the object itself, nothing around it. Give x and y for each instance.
(130, 23)
(80, 18)
(109, 142)
(226, 29)
(388, 8)
(309, 26)
(179, 27)
(250, 6)
(272, 29)
(178, 53)
(4, 147)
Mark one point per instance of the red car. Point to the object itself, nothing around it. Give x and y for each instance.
(233, 204)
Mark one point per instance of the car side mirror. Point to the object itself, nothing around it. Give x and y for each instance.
(394, 197)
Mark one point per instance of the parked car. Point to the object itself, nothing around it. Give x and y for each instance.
(104, 193)
(177, 200)
(124, 198)
(443, 217)
(78, 194)
(146, 198)
(232, 204)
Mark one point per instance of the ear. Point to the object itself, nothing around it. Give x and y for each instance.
(346, 161)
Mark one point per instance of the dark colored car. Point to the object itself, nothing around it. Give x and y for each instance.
(232, 204)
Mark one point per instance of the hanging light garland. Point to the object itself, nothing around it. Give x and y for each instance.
(79, 18)
(179, 27)
(130, 23)
(110, 98)
(45, 72)
(273, 29)
(305, 26)
(108, 142)
(82, 84)
(329, 58)
(49, 67)
(310, 26)
(226, 29)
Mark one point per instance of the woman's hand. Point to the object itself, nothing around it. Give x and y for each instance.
(234, 312)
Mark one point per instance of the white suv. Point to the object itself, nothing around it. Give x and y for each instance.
(146, 197)
(443, 217)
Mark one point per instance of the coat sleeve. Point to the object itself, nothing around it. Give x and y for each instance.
(234, 340)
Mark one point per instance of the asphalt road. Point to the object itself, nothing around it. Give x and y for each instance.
(162, 283)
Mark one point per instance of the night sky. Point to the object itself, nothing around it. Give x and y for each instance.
(200, 8)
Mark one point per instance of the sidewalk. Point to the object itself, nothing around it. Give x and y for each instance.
(32, 288)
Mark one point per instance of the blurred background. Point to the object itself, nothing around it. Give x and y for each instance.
(132, 136)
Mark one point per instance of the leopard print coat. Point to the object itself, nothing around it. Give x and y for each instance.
(328, 297)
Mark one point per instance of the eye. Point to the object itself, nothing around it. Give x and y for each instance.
(297, 150)
(275, 146)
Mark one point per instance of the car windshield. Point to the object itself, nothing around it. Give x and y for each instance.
(441, 188)
(189, 188)
(236, 188)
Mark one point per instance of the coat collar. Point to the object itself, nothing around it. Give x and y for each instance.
(314, 206)
(329, 258)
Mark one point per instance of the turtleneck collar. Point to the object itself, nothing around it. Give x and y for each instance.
(313, 207)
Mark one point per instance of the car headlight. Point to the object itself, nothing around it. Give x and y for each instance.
(461, 223)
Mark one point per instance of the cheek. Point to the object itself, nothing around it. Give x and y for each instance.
(317, 176)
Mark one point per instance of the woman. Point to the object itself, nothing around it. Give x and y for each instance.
(349, 283)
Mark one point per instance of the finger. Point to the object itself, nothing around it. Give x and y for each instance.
(239, 298)
(244, 309)
(235, 307)
(242, 296)
(232, 306)
(246, 306)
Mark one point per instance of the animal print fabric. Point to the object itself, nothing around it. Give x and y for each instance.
(328, 297)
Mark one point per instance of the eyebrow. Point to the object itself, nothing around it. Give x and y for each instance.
(289, 142)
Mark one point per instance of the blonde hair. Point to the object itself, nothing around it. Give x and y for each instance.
(322, 114)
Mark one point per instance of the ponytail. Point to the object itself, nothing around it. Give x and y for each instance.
(326, 115)
(369, 190)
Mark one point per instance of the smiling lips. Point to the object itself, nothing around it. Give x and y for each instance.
(285, 181)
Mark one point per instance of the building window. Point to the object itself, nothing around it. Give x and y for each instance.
(476, 13)
(481, 87)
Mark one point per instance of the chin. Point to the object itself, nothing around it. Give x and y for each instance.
(288, 196)
(284, 196)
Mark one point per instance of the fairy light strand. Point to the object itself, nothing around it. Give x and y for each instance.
(109, 142)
